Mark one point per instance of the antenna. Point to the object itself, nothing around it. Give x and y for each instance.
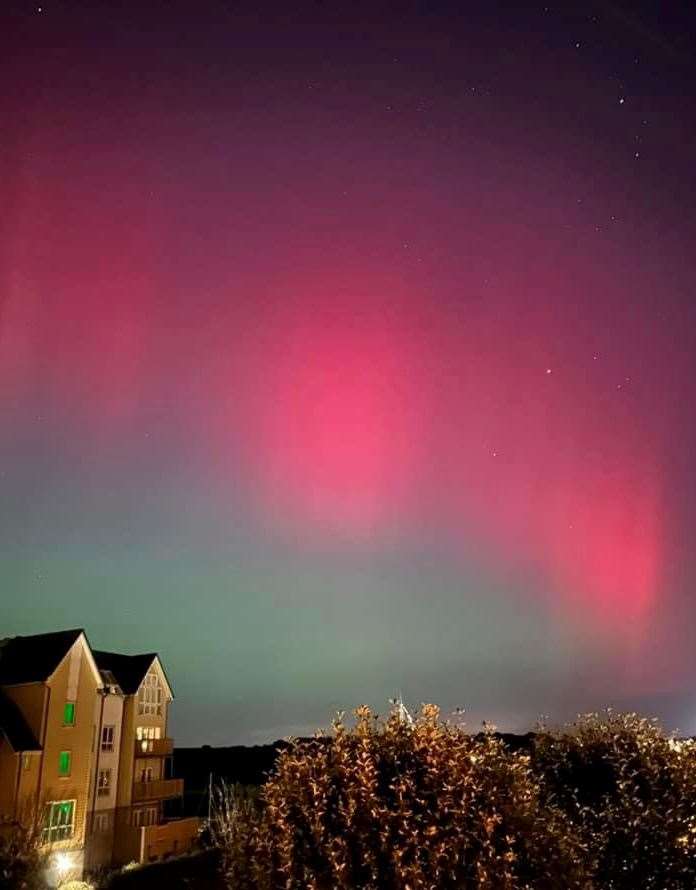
(401, 710)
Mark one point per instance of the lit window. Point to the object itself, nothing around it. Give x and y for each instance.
(59, 822)
(150, 695)
(146, 736)
(104, 782)
(64, 763)
(69, 713)
(107, 738)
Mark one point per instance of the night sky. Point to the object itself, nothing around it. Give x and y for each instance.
(349, 349)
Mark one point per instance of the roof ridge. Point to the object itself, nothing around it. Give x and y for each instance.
(124, 655)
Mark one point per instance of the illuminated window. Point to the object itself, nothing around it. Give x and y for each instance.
(147, 735)
(150, 695)
(107, 738)
(64, 763)
(148, 732)
(104, 782)
(59, 821)
(69, 713)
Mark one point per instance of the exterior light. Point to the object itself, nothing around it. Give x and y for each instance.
(63, 866)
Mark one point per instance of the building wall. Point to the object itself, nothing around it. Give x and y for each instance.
(74, 680)
(27, 808)
(8, 780)
(112, 715)
(101, 816)
(131, 767)
(127, 757)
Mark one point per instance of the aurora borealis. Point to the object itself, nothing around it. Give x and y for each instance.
(348, 349)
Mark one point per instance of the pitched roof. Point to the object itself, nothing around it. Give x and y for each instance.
(129, 670)
(33, 659)
(15, 728)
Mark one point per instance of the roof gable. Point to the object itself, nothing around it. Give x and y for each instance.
(35, 658)
(131, 670)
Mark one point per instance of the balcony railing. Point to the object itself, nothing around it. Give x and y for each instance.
(168, 838)
(154, 747)
(157, 789)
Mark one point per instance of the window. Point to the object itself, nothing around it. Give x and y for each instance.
(26, 761)
(59, 821)
(150, 695)
(64, 763)
(146, 735)
(69, 713)
(101, 823)
(145, 817)
(147, 732)
(107, 738)
(104, 782)
(146, 774)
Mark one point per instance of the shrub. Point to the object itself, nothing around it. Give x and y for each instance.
(392, 806)
(630, 793)
(22, 866)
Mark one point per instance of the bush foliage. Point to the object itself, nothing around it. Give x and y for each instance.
(630, 792)
(609, 802)
(393, 805)
(22, 866)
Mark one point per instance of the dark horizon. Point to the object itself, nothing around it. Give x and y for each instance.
(349, 350)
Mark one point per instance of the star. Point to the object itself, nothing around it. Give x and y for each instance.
(548, 370)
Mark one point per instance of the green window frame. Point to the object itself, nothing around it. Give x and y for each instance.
(69, 713)
(64, 763)
(59, 822)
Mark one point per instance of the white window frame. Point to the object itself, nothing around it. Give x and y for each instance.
(108, 738)
(104, 782)
(59, 831)
(101, 823)
(146, 736)
(145, 817)
(150, 695)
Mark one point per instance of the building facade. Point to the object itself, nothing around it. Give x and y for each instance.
(85, 758)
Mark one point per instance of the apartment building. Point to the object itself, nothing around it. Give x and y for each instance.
(84, 752)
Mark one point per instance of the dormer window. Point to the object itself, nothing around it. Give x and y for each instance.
(150, 695)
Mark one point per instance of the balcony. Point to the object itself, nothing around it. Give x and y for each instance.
(168, 839)
(154, 747)
(157, 789)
